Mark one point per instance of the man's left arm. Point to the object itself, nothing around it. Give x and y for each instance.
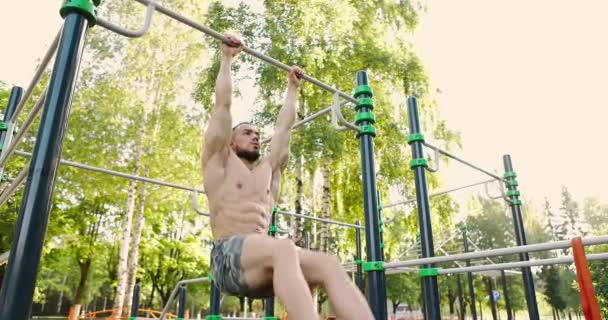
(279, 145)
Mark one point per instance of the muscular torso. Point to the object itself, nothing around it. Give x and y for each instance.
(240, 199)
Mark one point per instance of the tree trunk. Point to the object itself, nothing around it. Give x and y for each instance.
(85, 267)
(296, 222)
(135, 239)
(324, 245)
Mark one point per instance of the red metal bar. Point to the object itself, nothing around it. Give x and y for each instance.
(588, 300)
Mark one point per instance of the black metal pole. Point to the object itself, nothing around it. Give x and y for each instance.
(181, 307)
(505, 293)
(269, 302)
(20, 278)
(473, 304)
(135, 302)
(13, 101)
(358, 259)
(214, 309)
(520, 236)
(461, 298)
(418, 164)
(376, 278)
(490, 287)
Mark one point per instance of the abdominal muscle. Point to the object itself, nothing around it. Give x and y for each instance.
(239, 215)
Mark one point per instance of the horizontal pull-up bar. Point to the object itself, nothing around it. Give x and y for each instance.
(466, 163)
(195, 25)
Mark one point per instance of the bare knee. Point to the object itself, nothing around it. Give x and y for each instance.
(284, 249)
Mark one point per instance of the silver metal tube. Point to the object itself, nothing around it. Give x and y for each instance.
(337, 118)
(344, 224)
(43, 64)
(521, 264)
(308, 119)
(174, 293)
(128, 33)
(118, 174)
(14, 141)
(265, 58)
(497, 252)
(13, 186)
(449, 155)
(437, 194)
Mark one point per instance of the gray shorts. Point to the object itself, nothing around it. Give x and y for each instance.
(227, 272)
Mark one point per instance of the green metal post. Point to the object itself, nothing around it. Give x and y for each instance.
(374, 267)
(19, 281)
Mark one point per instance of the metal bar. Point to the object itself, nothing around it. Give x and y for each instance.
(308, 119)
(490, 287)
(14, 141)
(43, 64)
(128, 33)
(343, 224)
(545, 246)
(472, 296)
(468, 164)
(439, 193)
(193, 24)
(14, 185)
(174, 293)
(520, 237)
(118, 174)
(135, 301)
(181, 306)
(587, 292)
(376, 279)
(505, 293)
(461, 303)
(359, 259)
(13, 100)
(430, 289)
(521, 264)
(26, 250)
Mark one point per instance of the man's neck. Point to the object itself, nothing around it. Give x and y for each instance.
(248, 164)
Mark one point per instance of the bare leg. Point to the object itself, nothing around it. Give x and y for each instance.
(344, 296)
(265, 259)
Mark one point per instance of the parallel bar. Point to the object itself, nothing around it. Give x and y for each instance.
(546, 246)
(521, 264)
(43, 64)
(468, 164)
(344, 224)
(118, 174)
(520, 237)
(20, 279)
(263, 57)
(430, 289)
(14, 141)
(439, 193)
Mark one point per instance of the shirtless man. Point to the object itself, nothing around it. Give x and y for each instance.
(241, 189)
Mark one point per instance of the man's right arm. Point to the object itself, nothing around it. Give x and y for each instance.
(219, 131)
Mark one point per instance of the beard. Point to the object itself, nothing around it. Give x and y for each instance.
(250, 156)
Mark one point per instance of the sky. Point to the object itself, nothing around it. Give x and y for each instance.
(524, 78)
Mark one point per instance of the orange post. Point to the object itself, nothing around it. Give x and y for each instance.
(71, 314)
(588, 300)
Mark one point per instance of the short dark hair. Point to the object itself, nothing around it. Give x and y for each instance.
(240, 124)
